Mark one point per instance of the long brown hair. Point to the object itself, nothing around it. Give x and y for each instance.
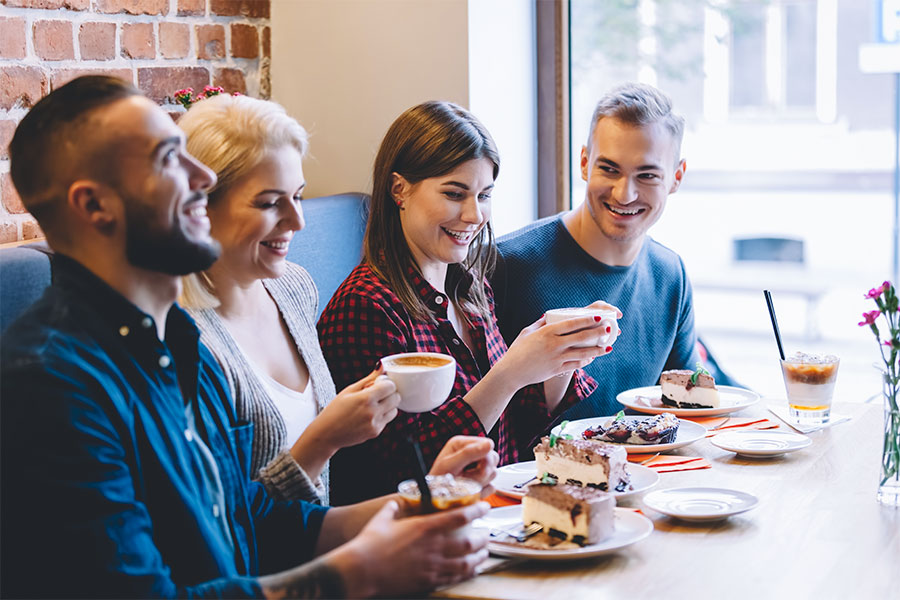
(428, 140)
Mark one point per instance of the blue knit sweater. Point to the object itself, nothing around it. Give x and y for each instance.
(542, 267)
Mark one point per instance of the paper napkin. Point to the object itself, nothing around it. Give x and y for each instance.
(718, 425)
(667, 464)
(782, 413)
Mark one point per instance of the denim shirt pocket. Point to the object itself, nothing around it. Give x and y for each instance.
(242, 438)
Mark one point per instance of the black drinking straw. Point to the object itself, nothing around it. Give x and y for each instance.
(768, 296)
(420, 470)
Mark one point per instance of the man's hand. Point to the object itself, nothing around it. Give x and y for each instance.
(392, 557)
(470, 457)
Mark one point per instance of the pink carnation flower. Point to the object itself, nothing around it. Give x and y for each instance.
(869, 317)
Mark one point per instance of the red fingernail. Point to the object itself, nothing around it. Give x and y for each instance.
(608, 329)
(598, 318)
(608, 349)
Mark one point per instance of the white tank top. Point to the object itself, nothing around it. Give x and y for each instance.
(298, 409)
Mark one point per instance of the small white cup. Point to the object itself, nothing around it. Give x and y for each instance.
(608, 318)
(423, 379)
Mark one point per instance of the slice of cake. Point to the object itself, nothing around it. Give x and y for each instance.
(582, 515)
(658, 429)
(584, 463)
(689, 389)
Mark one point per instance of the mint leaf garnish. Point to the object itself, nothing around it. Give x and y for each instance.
(619, 416)
(564, 436)
(548, 480)
(697, 373)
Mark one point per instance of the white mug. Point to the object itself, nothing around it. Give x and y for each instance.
(608, 319)
(423, 379)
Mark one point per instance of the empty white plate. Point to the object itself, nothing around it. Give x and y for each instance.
(760, 443)
(700, 504)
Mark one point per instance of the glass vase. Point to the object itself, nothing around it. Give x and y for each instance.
(889, 484)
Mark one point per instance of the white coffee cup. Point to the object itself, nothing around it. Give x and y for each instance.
(608, 319)
(423, 379)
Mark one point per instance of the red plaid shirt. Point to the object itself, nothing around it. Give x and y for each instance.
(365, 321)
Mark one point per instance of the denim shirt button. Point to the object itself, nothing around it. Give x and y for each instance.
(188, 435)
(146, 323)
(164, 361)
(216, 510)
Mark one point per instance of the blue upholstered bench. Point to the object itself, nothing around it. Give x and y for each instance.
(329, 248)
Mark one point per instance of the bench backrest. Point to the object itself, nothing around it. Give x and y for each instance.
(329, 247)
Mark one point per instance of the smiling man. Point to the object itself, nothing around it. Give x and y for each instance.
(124, 466)
(601, 251)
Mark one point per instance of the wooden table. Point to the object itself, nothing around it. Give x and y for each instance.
(817, 533)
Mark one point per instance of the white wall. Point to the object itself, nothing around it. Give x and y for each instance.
(347, 68)
(502, 93)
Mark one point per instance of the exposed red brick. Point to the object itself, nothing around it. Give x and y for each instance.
(244, 41)
(11, 201)
(60, 77)
(97, 41)
(230, 79)
(7, 129)
(255, 9)
(31, 230)
(174, 40)
(267, 42)
(210, 41)
(53, 40)
(191, 7)
(132, 7)
(12, 38)
(51, 4)
(21, 85)
(138, 40)
(160, 83)
(9, 232)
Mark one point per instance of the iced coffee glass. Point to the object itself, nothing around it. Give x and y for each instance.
(447, 492)
(809, 381)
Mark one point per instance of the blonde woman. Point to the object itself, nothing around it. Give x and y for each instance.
(256, 311)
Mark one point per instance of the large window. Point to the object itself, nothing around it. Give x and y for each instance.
(786, 138)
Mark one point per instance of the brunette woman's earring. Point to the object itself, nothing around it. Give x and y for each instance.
(399, 204)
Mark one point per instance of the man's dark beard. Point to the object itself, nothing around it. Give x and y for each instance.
(170, 251)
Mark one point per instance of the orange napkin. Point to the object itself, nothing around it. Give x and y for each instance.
(721, 425)
(496, 500)
(667, 464)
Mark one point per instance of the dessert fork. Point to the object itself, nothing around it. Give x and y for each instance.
(521, 534)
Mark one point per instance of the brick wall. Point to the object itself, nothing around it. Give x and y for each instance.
(159, 45)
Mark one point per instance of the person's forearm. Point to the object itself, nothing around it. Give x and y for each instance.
(342, 523)
(490, 396)
(332, 576)
(313, 449)
(555, 390)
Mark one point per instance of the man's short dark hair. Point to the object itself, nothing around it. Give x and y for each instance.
(51, 135)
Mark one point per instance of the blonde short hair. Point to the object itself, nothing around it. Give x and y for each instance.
(231, 135)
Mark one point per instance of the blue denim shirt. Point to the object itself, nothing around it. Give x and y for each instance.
(104, 491)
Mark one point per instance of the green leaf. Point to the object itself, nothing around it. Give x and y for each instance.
(565, 436)
(620, 415)
(546, 479)
(697, 373)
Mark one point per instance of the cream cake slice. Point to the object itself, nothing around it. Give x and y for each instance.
(584, 463)
(583, 515)
(688, 389)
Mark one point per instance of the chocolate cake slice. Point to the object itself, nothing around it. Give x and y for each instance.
(689, 389)
(584, 463)
(582, 515)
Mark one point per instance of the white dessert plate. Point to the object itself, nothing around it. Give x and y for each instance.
(642, 479)
(700, 503)
(647, 400)
(631, 527)
(760, 443)
(688, 433)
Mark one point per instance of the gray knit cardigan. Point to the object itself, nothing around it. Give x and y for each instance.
(297, 299)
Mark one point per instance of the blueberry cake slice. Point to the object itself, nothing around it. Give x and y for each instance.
(658, 429)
